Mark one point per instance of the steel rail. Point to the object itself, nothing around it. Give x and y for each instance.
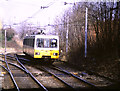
(10, 73)
(25, 70)
(15, 65)
(51, 73)
(66, 72)
(107, 78)
(94, 73)
(4, 68)
(8, 56)
(24, 59)
(20, 69)
(40, 84)
(92, 85)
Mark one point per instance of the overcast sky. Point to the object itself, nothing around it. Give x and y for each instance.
(16, 11)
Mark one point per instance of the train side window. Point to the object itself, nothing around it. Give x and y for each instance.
(24, 42)
(33, 42)
(30, 42)
(27, 42)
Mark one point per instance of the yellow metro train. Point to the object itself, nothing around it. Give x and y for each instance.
(42, 46)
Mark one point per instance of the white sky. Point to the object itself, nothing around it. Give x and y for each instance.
(16, 11)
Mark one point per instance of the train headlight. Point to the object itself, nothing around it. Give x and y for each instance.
(37, 53)
(55, 54)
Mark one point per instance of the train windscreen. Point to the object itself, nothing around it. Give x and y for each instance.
(46, 43)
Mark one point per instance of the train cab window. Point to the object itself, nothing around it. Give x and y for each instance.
(46, 43)
(53, 43)
(40, 43)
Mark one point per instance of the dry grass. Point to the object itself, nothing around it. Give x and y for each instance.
(13, 46)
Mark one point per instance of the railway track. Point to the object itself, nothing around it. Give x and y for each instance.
(90, 73)
(69, 79)
(70, 82)
(54, 76)
(16, 69)
(89, 76)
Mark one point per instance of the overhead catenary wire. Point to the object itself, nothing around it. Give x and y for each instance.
(38, 11)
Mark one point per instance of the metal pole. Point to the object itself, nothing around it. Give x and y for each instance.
(86, 33)
(8, 67)
(67, 40)
(5, 42)
(5, 47)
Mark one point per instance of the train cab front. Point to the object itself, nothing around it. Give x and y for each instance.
(47, 48)
(51, 54)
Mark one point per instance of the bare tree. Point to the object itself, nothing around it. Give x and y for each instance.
(28, 29)
(103, 29)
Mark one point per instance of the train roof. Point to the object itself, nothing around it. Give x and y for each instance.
(41, 36)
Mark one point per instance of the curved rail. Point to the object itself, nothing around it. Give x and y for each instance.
(11, 75)
(30, 74)
(23, 69)
(66, 72)
(14, 65)
(8, 56)
(42, 68)
(93, 72)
